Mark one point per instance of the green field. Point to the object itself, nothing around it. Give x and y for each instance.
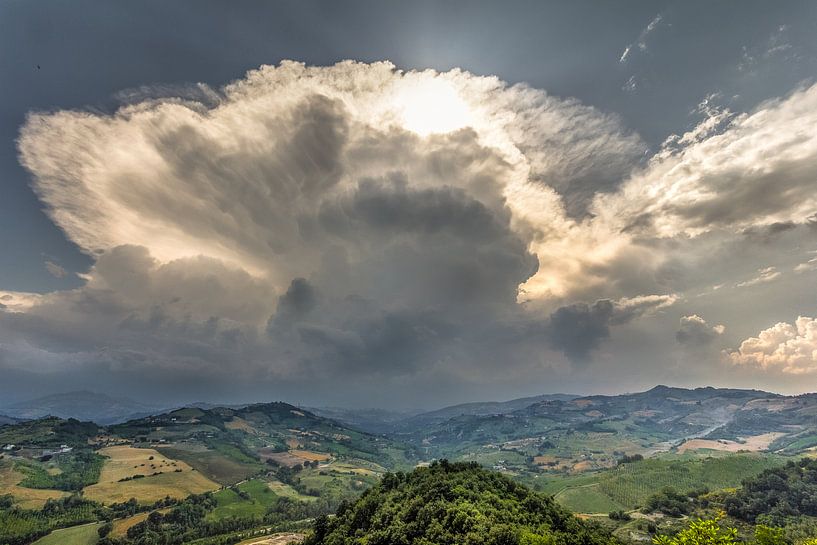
(587, 499)
(336, 484)
(78, 535)
(629, 485)
(214, 465)
(231, 504)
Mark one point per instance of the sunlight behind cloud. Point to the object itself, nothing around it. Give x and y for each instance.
(432, 106)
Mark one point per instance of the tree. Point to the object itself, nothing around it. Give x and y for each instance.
(701, 532)
(105, 529)
(769, 535)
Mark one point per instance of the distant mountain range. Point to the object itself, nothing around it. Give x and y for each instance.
(104, 409)
(385, 421)
(550, 425)
(83, 405)
(8, 420)
(604, 427)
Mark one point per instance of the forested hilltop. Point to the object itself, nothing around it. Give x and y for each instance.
(454, 503)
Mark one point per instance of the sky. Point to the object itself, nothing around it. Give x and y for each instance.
(406, 204)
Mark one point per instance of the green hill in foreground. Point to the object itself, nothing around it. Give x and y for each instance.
(454, 503)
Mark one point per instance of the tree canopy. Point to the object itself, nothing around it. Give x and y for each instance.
(454, 503)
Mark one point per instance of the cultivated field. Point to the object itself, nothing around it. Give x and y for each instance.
(280, 458)
(77, 535)
(163, 476)
(230, 504)
(27, 498)
(213, 465)
(120, 526)
(754, 443)
(629, 485)
(587, 499)
(310, 455)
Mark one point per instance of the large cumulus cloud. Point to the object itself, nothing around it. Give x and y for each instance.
(353, 221)
(784, 347)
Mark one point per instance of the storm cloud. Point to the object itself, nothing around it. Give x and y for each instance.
(330, 224)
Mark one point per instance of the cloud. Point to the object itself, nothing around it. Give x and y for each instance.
(757, 170)
(777, 48)
(312, 224)
(245, 179)
(695, 332)
(767, 274)
(641, 43)
(810, 265)
(54, 269)
(578, 329)
(789, 348)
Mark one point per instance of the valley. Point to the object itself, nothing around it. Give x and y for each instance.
(277, 466)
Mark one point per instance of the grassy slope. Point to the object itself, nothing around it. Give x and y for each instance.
(27, 498)
(78, 535)
(629, 485)
(124, 462)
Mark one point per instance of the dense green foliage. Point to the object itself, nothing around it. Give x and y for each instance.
(712, 532)
(777, 494)
(458, 503)
(189, 522)
(701, 532)
(77, 470)
(22, 526)
(672, 503)
(49, 432)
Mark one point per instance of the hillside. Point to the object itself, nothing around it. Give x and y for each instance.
(274, 446)
(266, 433)
(593, 432)
(4, 419)
(452, 504)
(778, 495)
(48, 432)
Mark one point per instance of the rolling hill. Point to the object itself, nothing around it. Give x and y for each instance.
(277, 462)
(594, 432)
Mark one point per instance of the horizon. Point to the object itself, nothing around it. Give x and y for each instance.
(406, 206)
(168, 406)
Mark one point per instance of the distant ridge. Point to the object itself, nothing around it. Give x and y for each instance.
(82, 405)
(385, 421)
(8, 420)
(485, 408)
